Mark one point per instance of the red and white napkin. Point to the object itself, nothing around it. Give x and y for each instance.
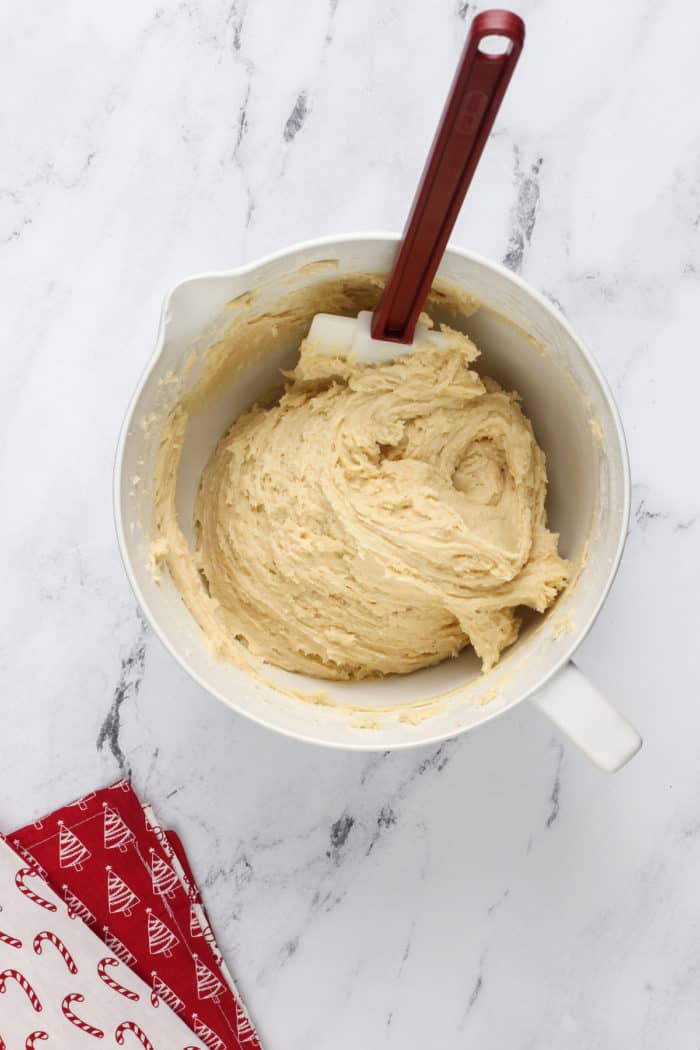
(129, 881)
(59, 983)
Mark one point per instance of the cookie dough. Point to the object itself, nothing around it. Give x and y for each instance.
(376, 520)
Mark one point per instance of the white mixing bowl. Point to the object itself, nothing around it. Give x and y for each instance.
(528, 346)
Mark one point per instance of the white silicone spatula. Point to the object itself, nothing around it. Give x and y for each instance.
(490, 55)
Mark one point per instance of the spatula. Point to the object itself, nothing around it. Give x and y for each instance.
(490, 55)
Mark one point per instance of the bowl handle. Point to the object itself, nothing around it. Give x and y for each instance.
(588, 719)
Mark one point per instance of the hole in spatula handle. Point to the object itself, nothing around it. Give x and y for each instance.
(495, 45)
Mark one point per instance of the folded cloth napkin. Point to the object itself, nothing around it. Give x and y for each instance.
(129, 880)
(59, 983)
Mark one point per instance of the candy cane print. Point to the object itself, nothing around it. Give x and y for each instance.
(3, 1045)
(32, 1038)
(111, 983)
(52, 938)
(9, 940)
(24, 984)
(131, 1026)
(76, 997)
(25, 873)
(30, 859)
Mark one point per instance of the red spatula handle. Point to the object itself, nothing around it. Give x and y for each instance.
(467, 119)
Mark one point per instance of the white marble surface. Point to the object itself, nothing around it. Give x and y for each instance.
(495, 892)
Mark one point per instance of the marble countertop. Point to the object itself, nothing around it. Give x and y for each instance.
(497, 891)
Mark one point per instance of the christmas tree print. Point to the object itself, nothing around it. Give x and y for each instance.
(208, 984)
(213, 1041)
(195, 925)
(116, 834)
(81, 803)
(153, 826)
(244, 1029)
(116, 946)
(161, 939)
(76, 908)
(71, 851)
(167, 995)
(163, 877)
(121, 900)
